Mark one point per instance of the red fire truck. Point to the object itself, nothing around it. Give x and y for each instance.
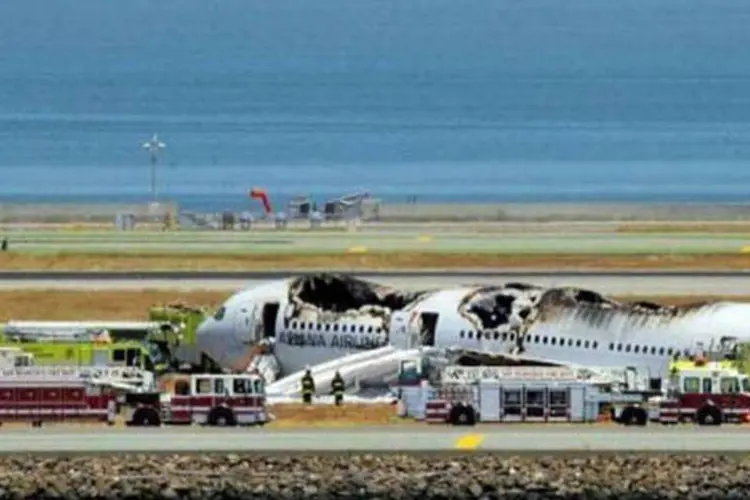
(36, 398)
(218, 400)
(708, 394)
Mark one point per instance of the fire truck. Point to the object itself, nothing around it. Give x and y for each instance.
(203, 399)
(465, 395)
(54, 394)
(706, 394)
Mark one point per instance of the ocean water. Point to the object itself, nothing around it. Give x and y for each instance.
(481, 100)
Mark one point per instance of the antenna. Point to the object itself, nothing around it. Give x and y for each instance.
(154, 146)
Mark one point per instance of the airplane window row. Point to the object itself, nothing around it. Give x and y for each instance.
(560, 341)
(488, 335)
(335, 327)
(637, 349)
(536, 339)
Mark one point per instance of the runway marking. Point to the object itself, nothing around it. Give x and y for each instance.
(469, 441)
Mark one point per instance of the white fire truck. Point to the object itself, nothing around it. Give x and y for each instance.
(217, 400)
(465, 395)
(707, 394)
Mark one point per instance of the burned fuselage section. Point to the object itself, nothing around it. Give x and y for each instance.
(500, 308)
(518, 307)
(337, 304)
(337, 298)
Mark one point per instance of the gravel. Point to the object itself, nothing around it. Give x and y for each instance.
(483, 477)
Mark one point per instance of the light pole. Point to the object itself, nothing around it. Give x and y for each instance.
(154, 146)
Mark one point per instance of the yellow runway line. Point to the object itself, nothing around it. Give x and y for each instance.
(469, 441)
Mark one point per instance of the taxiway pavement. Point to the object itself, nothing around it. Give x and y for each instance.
(620, 283)
(430, 239)
(406, 439)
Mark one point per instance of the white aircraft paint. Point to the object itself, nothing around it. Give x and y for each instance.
(562, 325)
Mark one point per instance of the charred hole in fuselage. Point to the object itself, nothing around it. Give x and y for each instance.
(523, 287)
(588, 297)
(481, 359)
(648, 306)
(339, 293)
(493, 310)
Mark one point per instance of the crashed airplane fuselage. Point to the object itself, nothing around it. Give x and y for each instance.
(316, 318)
(330, 299)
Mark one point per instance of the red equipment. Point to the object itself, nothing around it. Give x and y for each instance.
(262, 195)
(707, 395)
(38, 400)
(219, 400)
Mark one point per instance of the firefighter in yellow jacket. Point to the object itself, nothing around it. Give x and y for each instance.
(337, 388)
(308, 387)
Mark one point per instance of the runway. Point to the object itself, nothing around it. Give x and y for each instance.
(620, 283)
(405, 439)
(507, 238)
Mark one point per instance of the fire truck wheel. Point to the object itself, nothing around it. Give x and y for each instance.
(462, 415)
(641, 416)
(221, 417)
(146, 417)
(709, 415)
(634, 416)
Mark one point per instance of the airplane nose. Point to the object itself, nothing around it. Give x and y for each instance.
(216, 340)
(203, 335)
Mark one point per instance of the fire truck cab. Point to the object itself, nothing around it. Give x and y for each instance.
(707, 394)
(204, 399)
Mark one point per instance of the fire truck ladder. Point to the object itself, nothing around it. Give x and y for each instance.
(127, 378)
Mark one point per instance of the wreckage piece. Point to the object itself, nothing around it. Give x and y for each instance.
(339, 293)
(516, 307)
(500, 308)
(570, 297)
(589, 309)
(470, 358)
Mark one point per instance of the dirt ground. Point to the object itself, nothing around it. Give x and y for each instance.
(61, 305)
(298, 415)
(396, 260)
(132, 305)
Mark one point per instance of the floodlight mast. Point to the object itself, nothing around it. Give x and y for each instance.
(154, 147)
